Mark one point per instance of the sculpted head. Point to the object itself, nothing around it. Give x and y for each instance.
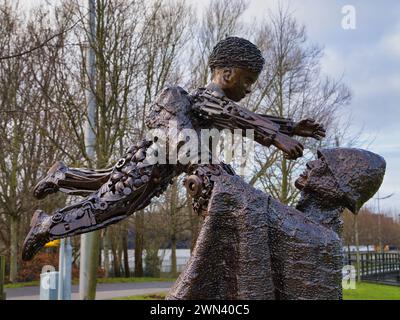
(342, 177)
(235, 65)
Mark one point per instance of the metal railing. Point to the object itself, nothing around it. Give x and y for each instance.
(376, 265)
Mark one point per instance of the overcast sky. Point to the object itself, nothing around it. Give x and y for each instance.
(367, 57)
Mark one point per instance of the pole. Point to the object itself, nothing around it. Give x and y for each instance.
(90, 241)
(61, 270)
(357, 248)
(65, 270)
(379, 218)
(379, 224)
(2, 277)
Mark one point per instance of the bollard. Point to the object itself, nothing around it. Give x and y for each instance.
(65, 270)
(2, 277)
(49, 285)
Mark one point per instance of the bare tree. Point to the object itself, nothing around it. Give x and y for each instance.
(291, 86)
(220, 19)
(23, 117)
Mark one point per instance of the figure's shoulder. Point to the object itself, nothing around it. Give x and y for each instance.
(172, 102)
(172, 94)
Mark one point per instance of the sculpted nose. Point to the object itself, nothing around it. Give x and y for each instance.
(311, 164)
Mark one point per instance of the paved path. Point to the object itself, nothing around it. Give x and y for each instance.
(104, 290)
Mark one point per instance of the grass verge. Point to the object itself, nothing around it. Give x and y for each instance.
(152, 296)
(363, 291)
(99, 280)
(372, 291)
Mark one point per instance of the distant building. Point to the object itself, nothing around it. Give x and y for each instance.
(182, 257)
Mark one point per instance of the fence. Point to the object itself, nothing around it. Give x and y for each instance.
(2, 277)
(377, 266)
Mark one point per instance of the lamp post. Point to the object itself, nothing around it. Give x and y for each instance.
(379, 217)
(89, 241)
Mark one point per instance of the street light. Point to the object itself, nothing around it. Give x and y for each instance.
(379, 216)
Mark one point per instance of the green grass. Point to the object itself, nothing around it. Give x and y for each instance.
(152, 296)
(129, 280)
(99, 280)
(363, 291)
(371, 291)
(21, 284)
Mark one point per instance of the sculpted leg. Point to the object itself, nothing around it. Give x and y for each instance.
(130, 187)
(74, 181)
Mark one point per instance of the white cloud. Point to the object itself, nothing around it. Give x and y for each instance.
(333, 63)
(390, 43)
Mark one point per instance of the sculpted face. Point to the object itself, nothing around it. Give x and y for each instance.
(317, 180)
(235, 82)
(346, 177)
(315, 168)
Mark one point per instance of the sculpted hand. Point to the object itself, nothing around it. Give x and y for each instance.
(309, 128)
(291, 147)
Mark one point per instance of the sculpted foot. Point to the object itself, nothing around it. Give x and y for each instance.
(49, 185)
(38, 236)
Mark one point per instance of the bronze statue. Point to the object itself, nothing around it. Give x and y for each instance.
(251, 246)
(114, 194)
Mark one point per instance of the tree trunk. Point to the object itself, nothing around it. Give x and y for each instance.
(94, 258)
(174, 269)
(125, 254)
(119, 251)
(194, 223)
(106, 248)
(116, 264)
(139, 224)
(13, 248)
(173, 201)
(285, 182)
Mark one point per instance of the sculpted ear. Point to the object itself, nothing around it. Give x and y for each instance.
(227, 75)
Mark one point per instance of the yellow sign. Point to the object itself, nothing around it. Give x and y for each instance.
(55, 243)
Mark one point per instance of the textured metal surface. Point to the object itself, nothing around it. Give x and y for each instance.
(253, 247)
(250, 246)
(248, 238)
(115, 193)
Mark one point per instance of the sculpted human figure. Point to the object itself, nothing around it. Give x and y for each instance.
(253, 247)
(114, 194)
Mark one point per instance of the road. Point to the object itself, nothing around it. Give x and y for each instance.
(104, 291)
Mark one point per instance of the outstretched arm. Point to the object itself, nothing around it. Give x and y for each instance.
(304, 128)
(286, 126)
(225, 114)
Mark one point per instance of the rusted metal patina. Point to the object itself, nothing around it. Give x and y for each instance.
(250, 245)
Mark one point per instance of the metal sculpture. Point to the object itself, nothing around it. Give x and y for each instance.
(116, 193)
(251, 246)
(263, 236)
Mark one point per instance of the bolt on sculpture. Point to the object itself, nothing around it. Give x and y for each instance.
(114, 194)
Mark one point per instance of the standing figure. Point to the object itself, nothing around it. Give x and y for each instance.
(251, 246)
(114, 194)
